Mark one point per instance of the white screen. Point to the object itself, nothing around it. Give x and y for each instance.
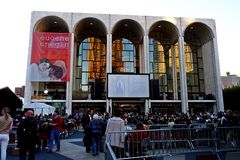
(128, 86)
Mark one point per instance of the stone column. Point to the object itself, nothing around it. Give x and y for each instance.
(183, 81)
(109, 53)
(218, 89)
(174, 73)
(109, 69)
(146, 66)
(28, 83)
(70, 82)
(145, 54)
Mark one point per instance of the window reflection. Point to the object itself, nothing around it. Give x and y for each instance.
(49, 90)
(90, 72)
(194, 71)
(160, 67)
(124, 56)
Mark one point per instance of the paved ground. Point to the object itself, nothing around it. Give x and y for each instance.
(71, 149)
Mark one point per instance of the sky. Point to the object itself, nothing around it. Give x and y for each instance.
(15, 17)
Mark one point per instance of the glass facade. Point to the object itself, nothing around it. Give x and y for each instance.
(49, 90)
(90, 70)
(160, 69)
(194, 72)
(125, 59)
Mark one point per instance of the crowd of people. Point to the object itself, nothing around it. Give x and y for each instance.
(121, 122)
(34, 131)
(41, 131)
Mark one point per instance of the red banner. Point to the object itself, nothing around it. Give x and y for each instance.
(50, 58)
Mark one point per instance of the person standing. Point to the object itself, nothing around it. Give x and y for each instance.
(6, 123)
(57, 123)
(27, 135)
(87, 139)
(116, 139)
(95, 127)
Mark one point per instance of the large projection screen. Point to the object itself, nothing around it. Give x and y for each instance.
(128, 86)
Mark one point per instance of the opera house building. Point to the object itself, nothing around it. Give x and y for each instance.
(78, 61)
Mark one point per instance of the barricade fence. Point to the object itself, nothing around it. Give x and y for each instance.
(163, 140)
(228, 138)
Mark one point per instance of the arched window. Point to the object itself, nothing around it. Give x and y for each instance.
(160, 67)
(124, 57)
(194, 71)
(90, 73)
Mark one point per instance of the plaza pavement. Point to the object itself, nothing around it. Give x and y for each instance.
(71, 149)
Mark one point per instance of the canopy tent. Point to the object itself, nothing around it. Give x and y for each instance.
(40, 108)
(10, 99)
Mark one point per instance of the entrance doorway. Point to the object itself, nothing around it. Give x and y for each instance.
(200, 107)
(168, 108)
(129, 107)
(83, 107)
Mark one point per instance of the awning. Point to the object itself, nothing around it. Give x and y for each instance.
(41, 108)
(9, 99)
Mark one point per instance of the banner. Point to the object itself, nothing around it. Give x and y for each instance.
(50, 57)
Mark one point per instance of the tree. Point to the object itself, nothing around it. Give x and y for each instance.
(231, 97)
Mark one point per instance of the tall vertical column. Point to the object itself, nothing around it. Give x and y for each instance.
(109, 53)
(141, 59)
(183, 82)
(28, 88)
(109, 69)
(146, 66)
(174, 73)
(28, 84)
(145, 54)
(69, 83)
(218, 82)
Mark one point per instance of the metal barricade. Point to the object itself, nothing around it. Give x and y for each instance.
(173, 140)
(109, 154)
(149, 143)
(228, 138)
(202, 137)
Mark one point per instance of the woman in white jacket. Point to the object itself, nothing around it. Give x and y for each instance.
(116, 139)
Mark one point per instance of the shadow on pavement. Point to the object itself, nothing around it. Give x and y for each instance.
(42, 156)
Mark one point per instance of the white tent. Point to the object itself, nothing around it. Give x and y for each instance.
(40, 108)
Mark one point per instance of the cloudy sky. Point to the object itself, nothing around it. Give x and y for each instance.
(15, 16)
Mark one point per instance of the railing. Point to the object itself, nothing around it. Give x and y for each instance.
(167, 140)
(109, 154)
(227, 138)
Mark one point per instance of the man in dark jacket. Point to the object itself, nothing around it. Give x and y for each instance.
(27, 135)
(87, 139)
(95, 126)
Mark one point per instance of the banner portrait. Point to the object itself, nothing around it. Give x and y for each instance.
(50, 56)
